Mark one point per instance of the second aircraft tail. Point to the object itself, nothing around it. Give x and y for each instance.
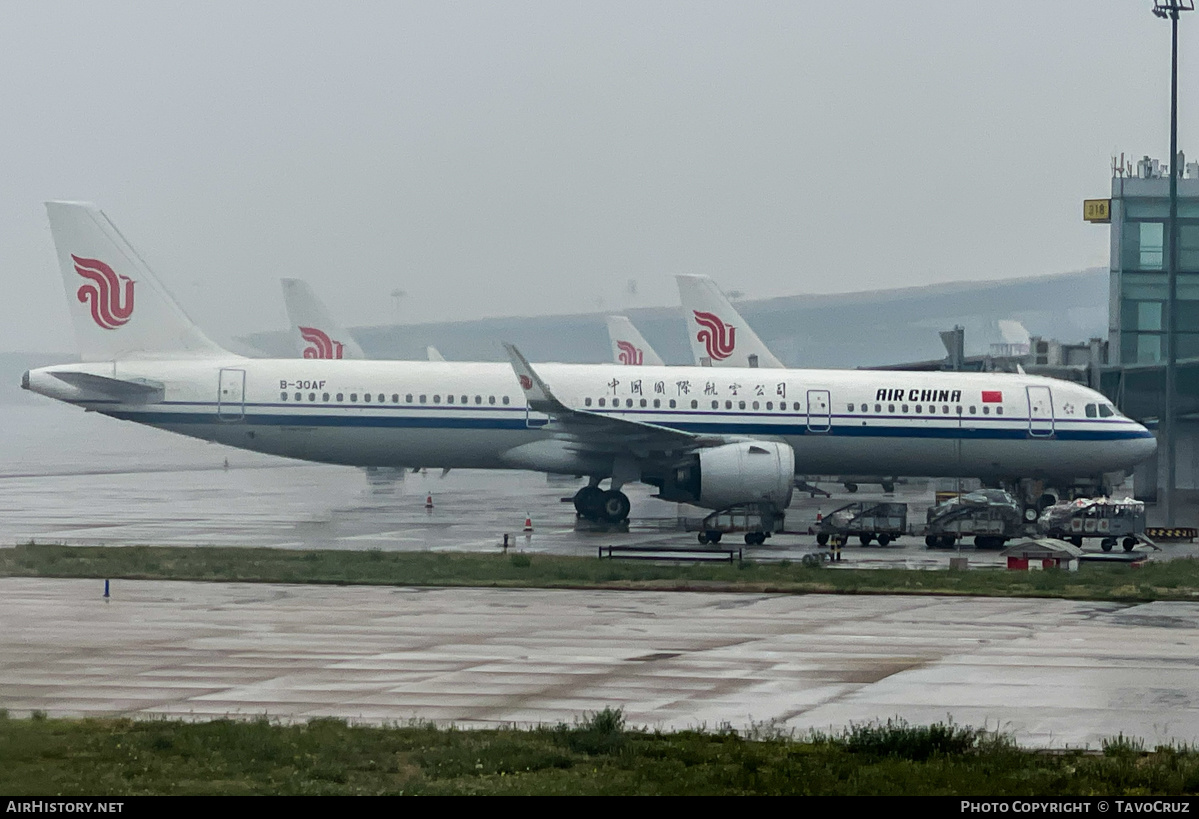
(719, 336)
(628, 345)
(314, 332)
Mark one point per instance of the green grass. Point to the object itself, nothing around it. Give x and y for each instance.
(598, 755)
(1166, 580)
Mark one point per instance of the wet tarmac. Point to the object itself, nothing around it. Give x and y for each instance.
(76, 478)
(302, 506)
(1051, 673)
(1054, 673)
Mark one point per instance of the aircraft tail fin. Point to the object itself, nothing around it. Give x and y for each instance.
(118, 306)
(628, 345)
(314, 332)
(720, 337)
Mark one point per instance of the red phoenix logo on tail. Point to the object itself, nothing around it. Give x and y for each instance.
(322, 345)
(110, 307)
(719, 338)
(628, 353)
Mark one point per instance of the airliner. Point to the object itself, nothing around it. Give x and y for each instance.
(628, 345)
(719, 336)
(315, 332)
(713, 438)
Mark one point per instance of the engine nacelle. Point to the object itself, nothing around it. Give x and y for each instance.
(743, 472)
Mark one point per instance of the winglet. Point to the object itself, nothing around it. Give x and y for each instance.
(536, 391)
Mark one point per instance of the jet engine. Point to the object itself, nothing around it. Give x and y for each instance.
(742, 472)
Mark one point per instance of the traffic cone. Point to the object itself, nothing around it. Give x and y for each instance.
(429, 501)
(528, 523)
(819, 517)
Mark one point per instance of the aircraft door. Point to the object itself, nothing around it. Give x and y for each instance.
(819, 412)
(231, 395)
(1040, 411)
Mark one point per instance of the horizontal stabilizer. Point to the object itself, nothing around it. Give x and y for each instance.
(138, 389)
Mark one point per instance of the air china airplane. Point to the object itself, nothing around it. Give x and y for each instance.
(313, 329)
(315, 332)
(628, 345)
(713, 438)
(719, 336)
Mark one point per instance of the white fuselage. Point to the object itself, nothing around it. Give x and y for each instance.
(473, 415)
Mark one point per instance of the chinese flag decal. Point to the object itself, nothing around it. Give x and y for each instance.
(992, 397)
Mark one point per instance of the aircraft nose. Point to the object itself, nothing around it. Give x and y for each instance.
(1146, 444)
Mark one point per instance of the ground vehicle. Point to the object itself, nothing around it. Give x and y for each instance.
(991, 516)
(867, 521)
(1104, 518)
(757, 520)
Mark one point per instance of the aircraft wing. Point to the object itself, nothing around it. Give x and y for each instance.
(594, 432)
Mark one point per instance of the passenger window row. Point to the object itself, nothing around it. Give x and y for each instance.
(673, 404)
(920, 409)
(381, 398)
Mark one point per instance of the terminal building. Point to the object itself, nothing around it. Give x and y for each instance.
(1134, 376)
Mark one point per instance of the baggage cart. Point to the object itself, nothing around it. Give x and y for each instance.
(757, 520)
(990, 516)
(1111, 521)
(882, 522)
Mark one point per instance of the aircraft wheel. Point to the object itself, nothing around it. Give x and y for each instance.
(822, 539)
(1076, 540)
(754, 538)
(1107, 544)
(884, 540)
(888, 488)
(851, 488)
(947, 541)
(1030, 514)
(1129, 543)
(589, 502)
(715, 536)
(865, 539)
(930, 541)
(702, 537)
(615, 506)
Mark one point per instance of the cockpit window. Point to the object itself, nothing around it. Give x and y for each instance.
(1106, 411)
(1092, 411)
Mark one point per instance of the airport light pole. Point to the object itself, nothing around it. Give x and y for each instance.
(1169, 10)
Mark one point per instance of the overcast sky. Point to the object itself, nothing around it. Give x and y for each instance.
(506, 158)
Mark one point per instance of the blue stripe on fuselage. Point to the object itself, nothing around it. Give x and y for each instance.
(516, 421)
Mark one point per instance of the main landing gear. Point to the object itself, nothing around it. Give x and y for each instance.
(593, 503)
